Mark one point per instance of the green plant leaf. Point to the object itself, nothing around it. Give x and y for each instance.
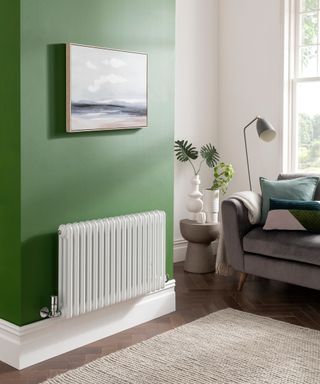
(210, 155)
(223, 174)
(185, 151)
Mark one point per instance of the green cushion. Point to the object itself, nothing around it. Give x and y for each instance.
(301, 188)
(293, 215)
(310, 220)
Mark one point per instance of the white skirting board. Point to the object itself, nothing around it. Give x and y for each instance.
(179, 250)
(23, 346)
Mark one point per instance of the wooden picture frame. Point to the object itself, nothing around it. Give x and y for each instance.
(106, 89)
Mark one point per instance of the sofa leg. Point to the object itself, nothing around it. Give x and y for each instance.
(242, 280)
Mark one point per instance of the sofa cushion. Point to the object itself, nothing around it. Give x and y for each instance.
(293, 215)
(290, 176)
(288, 245)
(300, 188)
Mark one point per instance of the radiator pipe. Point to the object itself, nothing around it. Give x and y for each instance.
(54, 311)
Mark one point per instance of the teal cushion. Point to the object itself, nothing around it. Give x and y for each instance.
(294, 204)
(301, 188)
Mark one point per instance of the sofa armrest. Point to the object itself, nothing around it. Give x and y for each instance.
(235, 226)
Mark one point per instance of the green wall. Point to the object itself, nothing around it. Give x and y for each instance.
(71, 177)
(10, 262)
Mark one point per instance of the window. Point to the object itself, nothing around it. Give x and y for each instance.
(305, 86)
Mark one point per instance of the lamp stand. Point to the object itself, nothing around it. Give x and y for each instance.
(246, 147)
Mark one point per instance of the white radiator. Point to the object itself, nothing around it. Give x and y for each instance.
(103, 262)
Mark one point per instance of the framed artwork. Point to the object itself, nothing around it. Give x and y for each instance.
(106, 89)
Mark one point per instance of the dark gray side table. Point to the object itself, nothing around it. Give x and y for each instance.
(199, 257)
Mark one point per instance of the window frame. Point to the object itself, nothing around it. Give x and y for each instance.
(292, 80)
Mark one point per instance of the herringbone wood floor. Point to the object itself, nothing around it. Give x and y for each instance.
(197, 295)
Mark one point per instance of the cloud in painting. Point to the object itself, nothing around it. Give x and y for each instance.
(112, 78)
(90, 65)
(118, 75)
(115, 63)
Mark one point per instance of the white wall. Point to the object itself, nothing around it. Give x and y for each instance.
(229, 68)
(250, 84)
(196, 89)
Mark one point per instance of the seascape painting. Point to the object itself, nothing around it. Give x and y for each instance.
(106, 89)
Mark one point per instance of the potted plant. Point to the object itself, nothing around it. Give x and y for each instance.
(186, 152)
(223, 174)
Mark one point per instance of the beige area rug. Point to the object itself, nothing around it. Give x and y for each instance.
(225, 347)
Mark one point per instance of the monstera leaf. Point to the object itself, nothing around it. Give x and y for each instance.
(210, 155)
(185, 151)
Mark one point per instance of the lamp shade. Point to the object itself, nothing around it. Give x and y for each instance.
(265, 130)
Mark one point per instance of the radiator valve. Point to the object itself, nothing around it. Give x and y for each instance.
(53, 311)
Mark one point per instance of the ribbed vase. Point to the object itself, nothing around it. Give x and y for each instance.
(211, 204)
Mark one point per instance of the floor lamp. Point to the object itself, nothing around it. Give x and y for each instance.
(265, 131)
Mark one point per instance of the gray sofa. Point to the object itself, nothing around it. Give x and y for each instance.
(289, 256)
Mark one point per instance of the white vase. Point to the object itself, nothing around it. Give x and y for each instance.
(194, 203)
(211, 205)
